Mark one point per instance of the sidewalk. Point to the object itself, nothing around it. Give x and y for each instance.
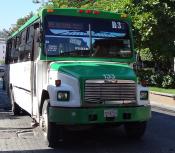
(4, 99)
(162, 101)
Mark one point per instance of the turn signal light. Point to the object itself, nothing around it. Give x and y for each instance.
(80, 11)
(96, 12)
(50, 10)
(58, 83)
(144, 83)
(88, 11)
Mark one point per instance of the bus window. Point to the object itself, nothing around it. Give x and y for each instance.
(29, 43)
(14, 51)
(8, 52)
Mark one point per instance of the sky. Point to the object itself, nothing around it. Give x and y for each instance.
(12, 10)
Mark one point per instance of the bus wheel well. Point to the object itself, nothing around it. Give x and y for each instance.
(45, 95)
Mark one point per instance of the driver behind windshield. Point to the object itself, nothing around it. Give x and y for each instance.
(100, 50)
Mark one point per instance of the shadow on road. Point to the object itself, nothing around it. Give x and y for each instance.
(159, 138)
(4, 99)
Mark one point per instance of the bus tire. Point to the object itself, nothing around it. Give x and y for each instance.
(15, 107)
(135, 130)
(51, 131)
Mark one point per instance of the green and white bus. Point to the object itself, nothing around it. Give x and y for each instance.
(73, 68)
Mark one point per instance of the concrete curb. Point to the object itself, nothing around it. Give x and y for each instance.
(163, 94)
(162, 106)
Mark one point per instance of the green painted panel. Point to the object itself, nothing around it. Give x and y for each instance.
(94, 70)
(70, 116)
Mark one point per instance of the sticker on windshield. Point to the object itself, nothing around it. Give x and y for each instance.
(52, 48)
(116, 25)
(75, 41)
(85, 34)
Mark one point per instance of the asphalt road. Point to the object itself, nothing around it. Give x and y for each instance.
(16, 135)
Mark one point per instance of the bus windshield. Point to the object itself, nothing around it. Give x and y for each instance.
(86, 37)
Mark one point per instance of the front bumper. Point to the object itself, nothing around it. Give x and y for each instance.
(85, 116)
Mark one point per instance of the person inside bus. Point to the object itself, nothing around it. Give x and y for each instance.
(100, 50)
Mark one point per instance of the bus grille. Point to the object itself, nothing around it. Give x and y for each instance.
(97, 91)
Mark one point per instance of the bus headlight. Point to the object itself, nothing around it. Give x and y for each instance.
(63, 95)
(143, 95)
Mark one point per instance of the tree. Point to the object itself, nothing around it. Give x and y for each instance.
(20, 22)
(154, 26)
(112, 5)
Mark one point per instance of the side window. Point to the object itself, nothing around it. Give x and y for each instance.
(37, 37)
(27, 44)
(27, 34)
(14, 51)
(29, 38)
(18, 41)
(8, 58)
(23, 41)
(22, 47)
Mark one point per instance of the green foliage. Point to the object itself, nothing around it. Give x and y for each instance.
(153, 22)
(163, 90)
(20, 22)
(71, 3)
(156, 80)
(168, 81)
(145, 75)
(146, 55)
(112, 5)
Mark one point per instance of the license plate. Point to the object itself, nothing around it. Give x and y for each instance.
(110, 113)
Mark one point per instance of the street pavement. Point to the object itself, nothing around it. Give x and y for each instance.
(4, 99)
(162, 101)
(16, 133)
(162, 106)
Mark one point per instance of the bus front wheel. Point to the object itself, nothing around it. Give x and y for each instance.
(135, 130)
(51, 131)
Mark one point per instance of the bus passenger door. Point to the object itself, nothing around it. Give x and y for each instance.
(35, 83)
